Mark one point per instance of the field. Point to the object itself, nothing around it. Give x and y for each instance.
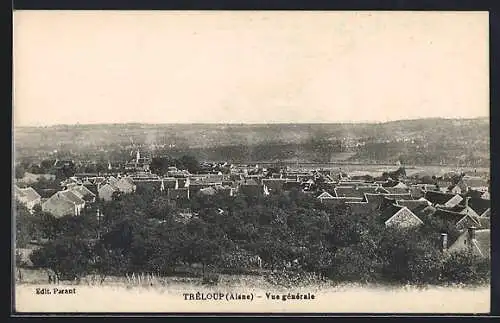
(115, 295)
(378, 169)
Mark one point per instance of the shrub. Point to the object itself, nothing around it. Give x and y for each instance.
(210, 279)
(465, 268)
(291, 279)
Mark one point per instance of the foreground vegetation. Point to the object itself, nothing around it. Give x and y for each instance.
(297, 238)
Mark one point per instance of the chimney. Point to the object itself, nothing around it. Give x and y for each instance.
(471, 233)
(444, 241)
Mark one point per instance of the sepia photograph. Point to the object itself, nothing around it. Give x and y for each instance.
(251, 162)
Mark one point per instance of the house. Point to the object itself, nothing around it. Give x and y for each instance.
(426, 187)
(58, 206)
(418, 207)
(400, 216)
(474, 182)
(335, 201)
(86, 182)
(63, 203)
(416, 192)
(378, 201)
(359, 207)
(106, 191)
(84, 193)
(65, 163)
(251, 188)
(147, 184)
(325, 195)
(112, 180)
(71, 181)
(394, 184)
(353, 192)
(125, 185)
(28, 196)
(477, 206)
(207, 191)
(98, 181)
(393, 190)
(183, 181)
(459, 220)
(375, 200)
(170, 183)
(398, 196)
(454, 189)
(224, 190)
(442, 199)
(292, 177)
(477, 242)
(292, 185)
(140, 163)
(73, 198)
(274, 185)
(444, 182)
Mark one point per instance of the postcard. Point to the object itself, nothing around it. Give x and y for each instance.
(251, 162)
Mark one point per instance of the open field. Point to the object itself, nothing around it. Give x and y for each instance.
(378, 169)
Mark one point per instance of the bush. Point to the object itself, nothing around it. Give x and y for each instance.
(69, 258)
(210, 279)
(465, 268)
(292, 279)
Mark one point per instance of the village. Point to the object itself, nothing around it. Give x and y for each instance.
(458, 199)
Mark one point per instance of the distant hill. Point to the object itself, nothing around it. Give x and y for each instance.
(427, 141)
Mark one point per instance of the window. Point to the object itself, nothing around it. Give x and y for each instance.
(465, 241)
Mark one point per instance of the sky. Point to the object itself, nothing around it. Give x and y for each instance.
(248, 67)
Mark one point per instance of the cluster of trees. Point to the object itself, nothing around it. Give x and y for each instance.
(143, 232)
(46, 166)
(435, 152)
(160, 165)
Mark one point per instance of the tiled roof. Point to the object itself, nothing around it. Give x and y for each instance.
(345, 191)
(436, 197)
(405, 196)
(71, 197)
(30, 194)
(274, 184)
(82, 191)
(396, 190)
(374, 198)
(479, 205)
(108, 187)
(325, 195)
(249, 182)
(389, 211)
(413, 205)
(99, 180)
(59, 206)
(449, 216)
